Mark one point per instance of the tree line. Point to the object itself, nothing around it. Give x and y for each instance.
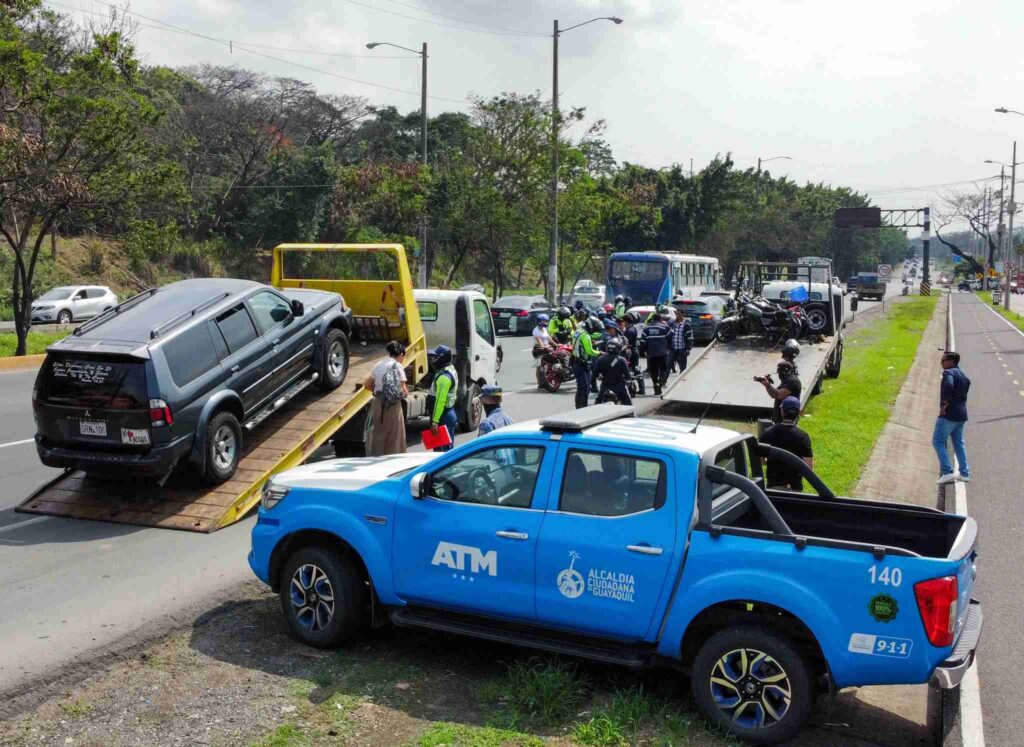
(209, 166)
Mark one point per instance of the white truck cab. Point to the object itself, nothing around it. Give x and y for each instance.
(462, 321)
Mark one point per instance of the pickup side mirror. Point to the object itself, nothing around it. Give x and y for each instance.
(297, 308)
(419, 486)
(853, 303)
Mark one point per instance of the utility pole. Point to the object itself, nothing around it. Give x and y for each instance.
(553, 248)
(1000, 227)
(1011, 208)
(926, 233)
(421, 271)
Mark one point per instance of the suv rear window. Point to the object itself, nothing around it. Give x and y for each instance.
(114, 383)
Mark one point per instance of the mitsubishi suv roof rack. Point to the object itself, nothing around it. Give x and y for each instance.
(112, 312)
(587, 417)
(167, 326)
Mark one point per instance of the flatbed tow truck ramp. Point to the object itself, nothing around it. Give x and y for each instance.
(384, 309)
(724, 372)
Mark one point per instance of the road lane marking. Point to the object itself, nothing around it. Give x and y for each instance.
(21, 524)
(17, 443)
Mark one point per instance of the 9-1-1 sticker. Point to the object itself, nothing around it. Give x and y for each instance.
(877, 645)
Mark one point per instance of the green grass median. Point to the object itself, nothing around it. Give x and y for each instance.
(37, 342)
(1011, 316)
(847, 418)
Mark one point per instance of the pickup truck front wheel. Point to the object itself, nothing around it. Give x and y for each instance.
(323, 597)
(752, 684)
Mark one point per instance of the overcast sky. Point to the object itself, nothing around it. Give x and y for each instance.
(887, 97)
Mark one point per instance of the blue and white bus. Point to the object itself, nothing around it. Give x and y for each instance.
(651, 278)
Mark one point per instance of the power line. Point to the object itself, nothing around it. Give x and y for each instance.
(462, 20)
(232, 45)
(508, 32)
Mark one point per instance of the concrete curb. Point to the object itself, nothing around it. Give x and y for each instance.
(21, 362)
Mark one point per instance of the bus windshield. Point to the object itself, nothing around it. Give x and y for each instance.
(644, 270)
(641, 280)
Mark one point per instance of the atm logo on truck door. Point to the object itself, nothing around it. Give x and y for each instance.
(455, 557)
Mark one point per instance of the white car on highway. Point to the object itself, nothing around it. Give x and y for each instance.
(72, 303)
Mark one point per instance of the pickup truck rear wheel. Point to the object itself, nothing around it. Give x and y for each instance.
(334, 360)
(323, 596)
(752, 683)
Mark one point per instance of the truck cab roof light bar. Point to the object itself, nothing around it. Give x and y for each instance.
(579, 420)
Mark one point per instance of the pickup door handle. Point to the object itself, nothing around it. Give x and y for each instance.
(235, 369)
(274, 342)
(645, 549)
(513, 535)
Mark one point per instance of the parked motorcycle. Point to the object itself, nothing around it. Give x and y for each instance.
(755, 315)
(555, 368)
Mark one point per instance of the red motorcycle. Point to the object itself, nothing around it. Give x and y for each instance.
(555, 367)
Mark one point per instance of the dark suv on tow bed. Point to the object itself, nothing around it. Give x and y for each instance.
(173, 375)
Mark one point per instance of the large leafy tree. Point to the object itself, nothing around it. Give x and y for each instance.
(72, 132)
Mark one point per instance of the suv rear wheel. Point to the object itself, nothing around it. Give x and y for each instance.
(752, 684)
(223, 447)
(323, 596)
(334, 360)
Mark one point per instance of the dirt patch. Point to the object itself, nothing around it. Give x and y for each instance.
(238, 678)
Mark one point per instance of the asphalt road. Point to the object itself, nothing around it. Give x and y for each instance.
(992, 356)
(72, 589)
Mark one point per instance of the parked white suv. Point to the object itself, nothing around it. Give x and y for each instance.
(72, 303)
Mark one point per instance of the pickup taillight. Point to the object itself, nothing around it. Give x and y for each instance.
(937, 603)
(159, 413)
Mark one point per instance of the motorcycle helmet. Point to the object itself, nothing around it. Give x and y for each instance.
(790, 349)
(662, 310)
(578, 305)
(593, 325)
(613, 347)
(632, 317)
(543, 319)
(619, 298)
(440, 356)
(582, 315)
(628, 301)
(610, 323)
(609, 308)
(564, 313)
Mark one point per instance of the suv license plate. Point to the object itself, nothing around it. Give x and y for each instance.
(92, 428)
(135, 437)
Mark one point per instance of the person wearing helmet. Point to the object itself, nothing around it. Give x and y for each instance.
(613, 371)
(789, 437)
(612, 332)
(443, 390)
(609, 309)
(630, 337)
(561, 327)
(654, 342)
(790, 350)
(789, 386)
(583, 354)
(660, 312)
(541, 336)
(581, 316)
(620, 306)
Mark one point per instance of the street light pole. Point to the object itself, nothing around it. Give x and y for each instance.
(757, 180)
(1011, 209)
(553, 247)
(421, 270)
(555, 124)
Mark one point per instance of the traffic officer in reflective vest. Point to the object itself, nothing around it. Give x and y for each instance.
(583, 353)
(443, 391)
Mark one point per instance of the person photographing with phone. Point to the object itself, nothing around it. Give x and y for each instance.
(789, 386)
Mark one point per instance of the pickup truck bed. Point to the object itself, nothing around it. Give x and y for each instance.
(899, 529)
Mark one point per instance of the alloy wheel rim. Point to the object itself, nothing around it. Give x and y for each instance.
(751, 688)
(312, 598)
(224, 446)
(334, 359)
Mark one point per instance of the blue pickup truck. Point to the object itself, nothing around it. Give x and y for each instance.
(633, 541)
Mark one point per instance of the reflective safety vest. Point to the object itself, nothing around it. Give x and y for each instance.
(453, 391)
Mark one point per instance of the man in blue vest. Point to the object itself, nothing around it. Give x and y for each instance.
(654, 343)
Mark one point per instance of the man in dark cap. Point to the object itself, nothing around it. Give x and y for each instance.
(789, 437)
(789, 386)
(495, 416)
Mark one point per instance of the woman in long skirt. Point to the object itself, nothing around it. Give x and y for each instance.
(387, 416)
